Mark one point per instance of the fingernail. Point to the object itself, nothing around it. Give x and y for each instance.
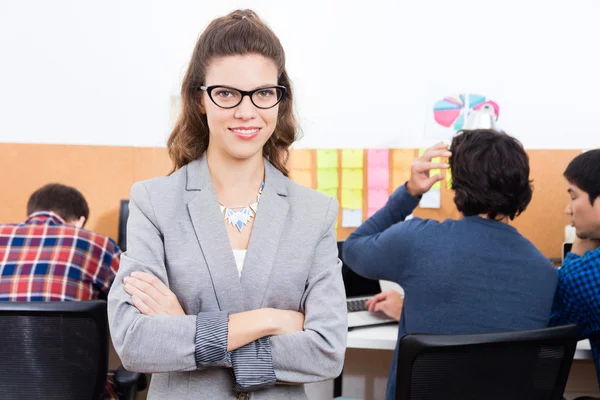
(127, 279)
(134, 273)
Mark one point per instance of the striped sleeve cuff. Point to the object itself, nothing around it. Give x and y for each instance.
(253, 366)
(212, 331)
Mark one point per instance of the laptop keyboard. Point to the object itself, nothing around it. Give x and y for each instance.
(356, 305)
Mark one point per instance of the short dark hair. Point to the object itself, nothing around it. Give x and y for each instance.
(584, 172)
(490, 174)
(63, 200)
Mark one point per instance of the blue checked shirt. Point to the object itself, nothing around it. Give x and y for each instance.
(577, 298)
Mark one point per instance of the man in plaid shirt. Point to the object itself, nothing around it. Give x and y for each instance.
(577, 297)
(50, 257)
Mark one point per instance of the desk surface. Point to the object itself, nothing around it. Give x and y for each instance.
(384, 337)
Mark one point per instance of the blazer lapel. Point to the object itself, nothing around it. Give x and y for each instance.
(268, 227)
(211, 234)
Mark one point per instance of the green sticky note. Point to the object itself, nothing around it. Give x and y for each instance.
(352, 178)
(352, 199)
(328, 192)
(327, 178)
(327, 158)
(352, 158)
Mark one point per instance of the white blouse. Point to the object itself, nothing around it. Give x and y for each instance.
(239, 256)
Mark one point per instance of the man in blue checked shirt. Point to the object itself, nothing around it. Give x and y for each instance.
(577, 298)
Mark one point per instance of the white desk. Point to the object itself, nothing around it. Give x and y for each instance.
(384, 337)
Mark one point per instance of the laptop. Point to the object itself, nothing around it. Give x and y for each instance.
(359, 290)
(566, 248)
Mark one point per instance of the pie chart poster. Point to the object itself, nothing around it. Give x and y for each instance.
(447, 108)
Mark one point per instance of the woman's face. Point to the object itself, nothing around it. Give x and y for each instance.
(240, 132)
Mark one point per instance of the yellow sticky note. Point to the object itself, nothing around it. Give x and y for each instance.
(327, 158)
(352, 178)
(327, 178)
(302, 176)
(300, 159)
(449, 178)
(352, 158)
(329, 192)
(352, 199)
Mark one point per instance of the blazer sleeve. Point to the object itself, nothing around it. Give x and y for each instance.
(317, 353)
(159, 343)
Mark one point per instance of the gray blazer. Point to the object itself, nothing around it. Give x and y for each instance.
(176, 232)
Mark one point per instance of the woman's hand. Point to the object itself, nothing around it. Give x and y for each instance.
(150, 296)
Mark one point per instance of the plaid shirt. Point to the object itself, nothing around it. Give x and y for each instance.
(44, 259)
(577, 298)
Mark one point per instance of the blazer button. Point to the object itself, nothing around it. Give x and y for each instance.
(242, 396)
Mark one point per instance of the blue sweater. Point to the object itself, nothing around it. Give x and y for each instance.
(473, 275)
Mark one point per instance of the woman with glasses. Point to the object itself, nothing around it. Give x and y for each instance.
(231, 282)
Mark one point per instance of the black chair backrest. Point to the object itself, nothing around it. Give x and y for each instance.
(525, 365)
(123, 215)
(53, 350)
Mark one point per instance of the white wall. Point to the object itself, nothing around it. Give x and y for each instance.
(83, 72)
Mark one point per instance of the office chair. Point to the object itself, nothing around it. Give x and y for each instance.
(123, 215)
(526, 365)
(58, 351)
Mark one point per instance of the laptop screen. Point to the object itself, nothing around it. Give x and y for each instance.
(566, 248)
(356, 285)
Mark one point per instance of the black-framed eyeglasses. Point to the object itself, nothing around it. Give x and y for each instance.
(230, 97)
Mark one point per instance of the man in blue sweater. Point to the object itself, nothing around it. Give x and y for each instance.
(473, 275)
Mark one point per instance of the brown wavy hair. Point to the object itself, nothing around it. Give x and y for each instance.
(241, 32)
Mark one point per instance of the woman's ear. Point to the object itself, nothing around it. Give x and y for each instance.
(200, 103)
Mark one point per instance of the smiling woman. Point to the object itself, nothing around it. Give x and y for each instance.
(230, 265)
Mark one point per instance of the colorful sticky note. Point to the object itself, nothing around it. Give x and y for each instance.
(302, 176)
(327, 158)
(378, 158)
(352, 178)
(378, 178)
(449, 178)
(351, 218)
(331, 192)
(300, 159)
(431, 199)
(352, 199)
(352, 158)
(327, 178)
(402, 158)
(400, 176)
(377, 198)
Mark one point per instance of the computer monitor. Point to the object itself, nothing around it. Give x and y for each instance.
(356, 285)
(123, 215)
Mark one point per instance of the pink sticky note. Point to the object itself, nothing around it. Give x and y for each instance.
(377, 198)
(371, 211)
(378, 178)
(378, 158)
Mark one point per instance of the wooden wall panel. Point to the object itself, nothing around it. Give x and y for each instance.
(105, 175)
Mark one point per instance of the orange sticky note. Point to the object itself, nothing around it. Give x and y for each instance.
(302, 176)
(300, 159)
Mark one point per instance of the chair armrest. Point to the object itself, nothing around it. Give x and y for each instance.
(128, 383)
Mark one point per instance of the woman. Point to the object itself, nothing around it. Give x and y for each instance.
(179, 307)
